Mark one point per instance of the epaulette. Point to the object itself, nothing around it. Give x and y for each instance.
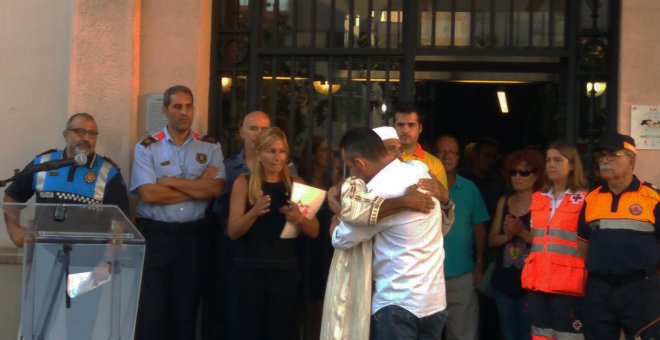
(208, 139)
(152, 139)
(148, 141)
(650, 185)
(111, 162)
(47, 152)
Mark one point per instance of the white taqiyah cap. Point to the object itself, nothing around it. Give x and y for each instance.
(386, 132)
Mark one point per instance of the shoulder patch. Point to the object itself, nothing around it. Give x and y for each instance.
(208, 139)
(148, 141)
(111, 162)
(47, 152)
(152, 139)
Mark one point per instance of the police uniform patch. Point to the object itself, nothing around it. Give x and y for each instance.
(90, 177)
(636, 209)
(201, 158)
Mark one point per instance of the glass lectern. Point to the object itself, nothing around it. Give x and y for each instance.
(82, 266)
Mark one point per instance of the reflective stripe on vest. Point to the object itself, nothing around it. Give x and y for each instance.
(558, 233)
(101, 181)
(41, 175)
(624, 224)
(549, 333)
(556, 248)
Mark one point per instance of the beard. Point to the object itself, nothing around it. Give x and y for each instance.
(83, 148)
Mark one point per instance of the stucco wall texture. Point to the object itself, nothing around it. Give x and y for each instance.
(639, 73)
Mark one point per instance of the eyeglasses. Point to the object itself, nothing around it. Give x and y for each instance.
(521, 172)
(610, 155)
(80, 132)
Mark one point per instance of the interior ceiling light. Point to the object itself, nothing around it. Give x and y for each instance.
(501, 97)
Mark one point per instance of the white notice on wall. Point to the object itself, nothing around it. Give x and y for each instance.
(155, 118)
(645, 126)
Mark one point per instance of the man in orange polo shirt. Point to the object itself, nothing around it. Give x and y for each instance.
(408, 125)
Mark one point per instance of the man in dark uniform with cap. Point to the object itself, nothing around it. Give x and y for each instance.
(618, 233)
(98, 181)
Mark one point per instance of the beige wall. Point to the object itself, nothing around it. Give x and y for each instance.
(639, 73)
(35, 61)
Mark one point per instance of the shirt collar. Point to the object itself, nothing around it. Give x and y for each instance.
(419, 152)
(632, 187)
(550, 193)
(168, 137)
(238, 161)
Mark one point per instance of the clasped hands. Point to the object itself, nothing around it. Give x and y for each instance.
(290, 210)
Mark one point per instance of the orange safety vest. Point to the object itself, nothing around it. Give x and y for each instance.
(554, 264)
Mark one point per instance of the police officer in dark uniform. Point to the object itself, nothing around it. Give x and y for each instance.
(618, 230)
(176, 173)
(98, 181)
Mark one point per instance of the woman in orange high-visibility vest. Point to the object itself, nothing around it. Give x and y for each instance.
(554, 272)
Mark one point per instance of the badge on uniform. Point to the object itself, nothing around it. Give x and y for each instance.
(636, 209)
(577, 197)
(90, 177)
(201, 158)
(165, 163)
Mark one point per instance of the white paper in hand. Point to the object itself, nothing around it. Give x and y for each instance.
(309, 200)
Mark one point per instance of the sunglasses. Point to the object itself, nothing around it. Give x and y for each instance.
(610, 155)
(521, 172)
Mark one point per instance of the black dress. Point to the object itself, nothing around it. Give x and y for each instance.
(265, 277)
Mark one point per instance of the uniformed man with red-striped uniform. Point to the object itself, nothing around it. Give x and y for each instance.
(618, 230)
(176, 173)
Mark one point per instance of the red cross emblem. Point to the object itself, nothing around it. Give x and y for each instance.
(577, 197)
(577, 325)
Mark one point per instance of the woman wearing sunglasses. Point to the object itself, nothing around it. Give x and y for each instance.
(554, 272)
(510, 234)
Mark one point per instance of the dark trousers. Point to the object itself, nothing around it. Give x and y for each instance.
(171, 279)
(615, 303)
(265, 301)
(555, 316)
(396, 323)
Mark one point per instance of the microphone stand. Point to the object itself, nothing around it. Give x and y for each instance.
(33, 168)
(17, 175)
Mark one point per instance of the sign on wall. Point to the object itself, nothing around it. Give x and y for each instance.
(156, 120)
(645, 126)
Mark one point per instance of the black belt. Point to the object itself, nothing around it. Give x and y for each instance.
(620, 280)
(146, 225)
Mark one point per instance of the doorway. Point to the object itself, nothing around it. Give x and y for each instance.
(472, 110)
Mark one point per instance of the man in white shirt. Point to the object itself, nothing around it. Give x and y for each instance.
(409, 297)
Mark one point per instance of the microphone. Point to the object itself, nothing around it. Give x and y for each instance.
(78, 159)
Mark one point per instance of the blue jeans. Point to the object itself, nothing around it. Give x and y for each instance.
(514, 316)
(396, 323)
